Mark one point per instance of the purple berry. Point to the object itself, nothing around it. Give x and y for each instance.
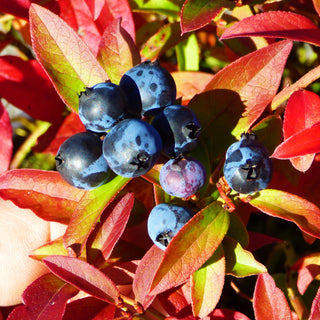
(183, 177)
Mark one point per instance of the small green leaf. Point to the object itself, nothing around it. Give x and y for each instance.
(188, 54)
(240, 262)
(169, 8)
(207, 284)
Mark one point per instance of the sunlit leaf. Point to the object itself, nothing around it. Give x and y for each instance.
(269, 302)
(144, 275)
(37, 96)
(290, 207)
(88, 211)
(302, 111)
(83, 276)
(44, 192)
(188, 54)
(166, 7)
(45, 298)
(67, 60)
(207, 284)
(196, 14)
(54, 247)
(304, 142)
(227, 314)
(117, 51)
(240, 262)
(257, 74)
(192, 246)
(113, 227)
(276, 24)
(315, 308)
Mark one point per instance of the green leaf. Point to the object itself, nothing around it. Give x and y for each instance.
(54, 247)
(88, 212)
(237, 230)
(117, 51)
(290, 207)
(207, 284)
(188, 54)
(240, 262)
(66, 58)
(167, 37)
(191, 247)
(169, 8)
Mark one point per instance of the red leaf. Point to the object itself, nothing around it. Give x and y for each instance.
(226, 314)
(18, 8)
(308, 268)
(95, 7)
(70, 126)
(289, 207)
(77, 14)
(45, 298)
(37, 96)
(65, 57)
(113, 227)
(302, 111)
(175, 303)
(275, 24)
(117, 52)
(304, 142)
(114, 9)
(144, 275)
(269, 302)
(258, 240)
(257, 74)
(6, 144)
(83, 276)
(44, 192)
(196, 14)
(88, 212)
(191, 247)
(315, 308)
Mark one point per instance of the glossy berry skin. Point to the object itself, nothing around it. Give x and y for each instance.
(183, 177)
(149, 85)
(179, 129)
(80, 161)
(165, 220)
(247, 168)
(132, 148)
(102, 106)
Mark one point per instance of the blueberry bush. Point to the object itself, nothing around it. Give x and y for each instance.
(97, 96)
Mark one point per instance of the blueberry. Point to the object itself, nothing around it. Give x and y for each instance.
(247, 168)
(80, 161)
(149, 85)
(102, 106)
(182, 177)
(165, 220)
(179, 129)
(132, 148)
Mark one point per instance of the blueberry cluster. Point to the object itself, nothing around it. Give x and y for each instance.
(128, 126)
(247, 168)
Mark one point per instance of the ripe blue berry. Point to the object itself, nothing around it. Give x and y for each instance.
(132, 147)
(165, 220)
(102, 106)
(80, 162)
(247, 168)
(149, 85)
(179, 129)
(182, 177)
